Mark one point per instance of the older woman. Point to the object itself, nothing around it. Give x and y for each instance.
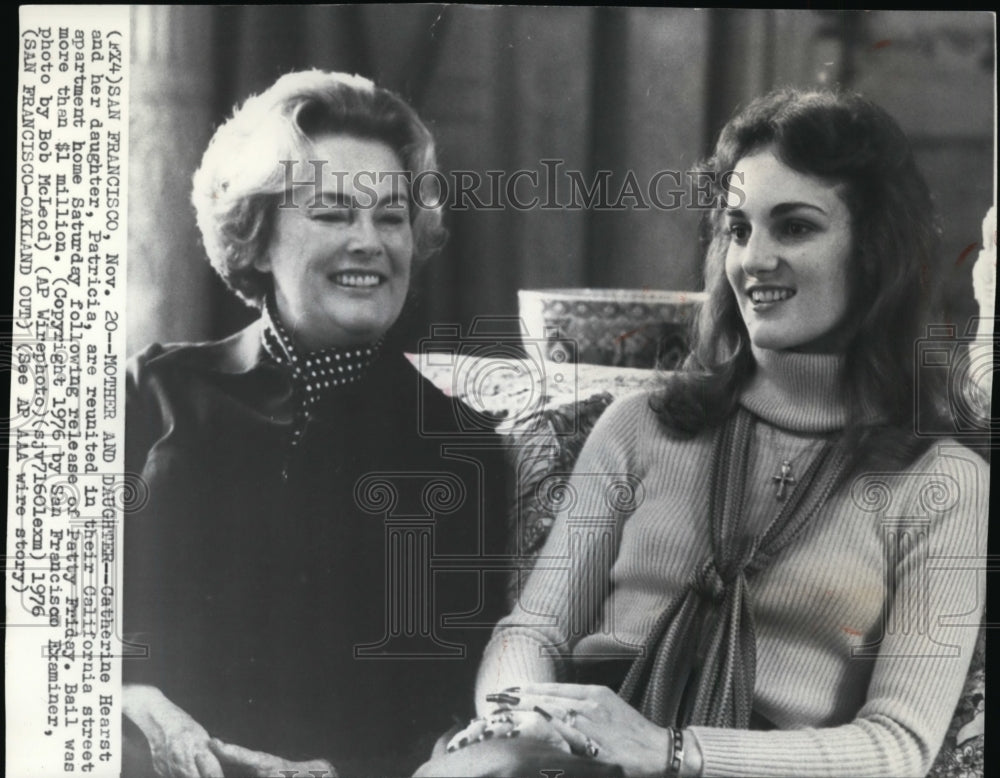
(282, 619)
(771, 596)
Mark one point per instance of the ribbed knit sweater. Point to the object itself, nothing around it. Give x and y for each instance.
(865, 624)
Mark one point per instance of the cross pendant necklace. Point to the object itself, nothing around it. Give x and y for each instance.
(783, 479)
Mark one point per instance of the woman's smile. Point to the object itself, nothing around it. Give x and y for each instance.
(358, 280)
(766, 297)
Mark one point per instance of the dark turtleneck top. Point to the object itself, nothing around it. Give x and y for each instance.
(306, 573)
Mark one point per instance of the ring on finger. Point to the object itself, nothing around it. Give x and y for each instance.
(570, 717)
(591, 748)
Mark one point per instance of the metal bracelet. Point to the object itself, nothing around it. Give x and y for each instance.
(676, 751)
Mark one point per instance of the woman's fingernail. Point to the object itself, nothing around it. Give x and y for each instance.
(488, 734)
(514, 689)
(501, 709)
(452, 749)
(543, 713)
(514, 733)
(503, 699)
(463, 742)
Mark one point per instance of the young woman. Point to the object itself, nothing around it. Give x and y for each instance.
(756, 558)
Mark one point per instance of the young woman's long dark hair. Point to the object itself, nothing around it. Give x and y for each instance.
(850, 141)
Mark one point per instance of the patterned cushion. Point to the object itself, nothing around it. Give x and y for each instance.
(961, 756)
(547, 446)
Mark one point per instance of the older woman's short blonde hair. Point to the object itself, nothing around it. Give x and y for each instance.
(242, 178)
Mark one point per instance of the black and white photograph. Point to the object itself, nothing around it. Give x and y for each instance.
(452, 390)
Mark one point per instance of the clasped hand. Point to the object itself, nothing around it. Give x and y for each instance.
(589, 721)
(180, 747)
(204, 757)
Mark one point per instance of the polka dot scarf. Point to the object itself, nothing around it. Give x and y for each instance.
(316, 375)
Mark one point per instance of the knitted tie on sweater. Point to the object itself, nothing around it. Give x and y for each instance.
(700, 660)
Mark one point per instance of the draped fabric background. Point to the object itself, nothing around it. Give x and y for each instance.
(504, 88)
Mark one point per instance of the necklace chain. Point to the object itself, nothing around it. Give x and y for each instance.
(784, 480)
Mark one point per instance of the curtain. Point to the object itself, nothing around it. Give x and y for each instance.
(631, 91)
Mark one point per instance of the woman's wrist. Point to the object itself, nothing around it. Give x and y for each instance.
(693, 763)
(138, 702)
(150, 710)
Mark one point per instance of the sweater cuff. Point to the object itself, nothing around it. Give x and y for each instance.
(511, 659)
(837, 752)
